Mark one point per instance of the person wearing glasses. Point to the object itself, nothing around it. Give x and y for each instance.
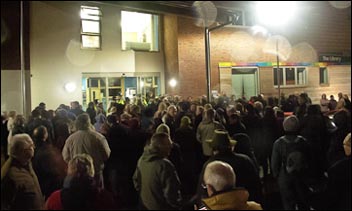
(220, 183)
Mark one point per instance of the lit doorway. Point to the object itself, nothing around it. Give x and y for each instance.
(244, 82)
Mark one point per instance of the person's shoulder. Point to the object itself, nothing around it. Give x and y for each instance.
(54, 201)
(254, 206)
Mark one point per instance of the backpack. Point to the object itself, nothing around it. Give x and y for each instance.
(295, 156)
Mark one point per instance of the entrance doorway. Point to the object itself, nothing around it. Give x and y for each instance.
(244, 82)
(104, 87)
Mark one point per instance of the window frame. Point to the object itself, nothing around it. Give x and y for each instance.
(325, 83)
(155, 48)
(284, 77)
(99, 17)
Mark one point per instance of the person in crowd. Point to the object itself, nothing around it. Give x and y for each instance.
(19, 127)
(155, 177)
(338, 192)
(175, 155)
(247, 174)
(324, 103)
(244, 146)
(206, 130)
(340, 102)
(191, 151)
(11, 124)
(20, 189)
(220, 183)
(342, 120)
(289, 185)
(159, 114)
(48, 163)
(347, 102)
(100, 119)
(4, 135)
(63, 126)
(91, 112)
(169, 119)
(313, 129)
(80, 191)
(234, 125)
(87, 140)
(303, 103)
(76, 108)
(332, 103)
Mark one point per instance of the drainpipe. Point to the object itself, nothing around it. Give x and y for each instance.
(23, 75)
(232, 21)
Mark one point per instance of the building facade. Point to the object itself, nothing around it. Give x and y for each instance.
(97, 56)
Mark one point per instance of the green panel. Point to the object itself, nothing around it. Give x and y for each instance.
(237, 85)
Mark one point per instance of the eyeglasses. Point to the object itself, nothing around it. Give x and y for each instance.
(204, 186)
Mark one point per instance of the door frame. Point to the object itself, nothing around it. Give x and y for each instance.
(256, 75)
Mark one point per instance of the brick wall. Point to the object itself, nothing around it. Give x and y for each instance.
(319, 33)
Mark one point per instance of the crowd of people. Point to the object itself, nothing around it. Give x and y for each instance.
(173, 153)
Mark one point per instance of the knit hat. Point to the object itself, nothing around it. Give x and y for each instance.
(291, 124)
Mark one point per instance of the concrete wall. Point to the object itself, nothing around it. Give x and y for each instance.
(11, 91)
(56, 57)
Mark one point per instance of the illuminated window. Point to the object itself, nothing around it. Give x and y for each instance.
(90, 27)
(140, 31)
(290, 76)
(323, 75)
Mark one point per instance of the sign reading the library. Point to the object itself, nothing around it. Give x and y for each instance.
(330, 58)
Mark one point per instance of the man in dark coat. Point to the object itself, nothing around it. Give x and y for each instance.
(247, 175)
(155, 177)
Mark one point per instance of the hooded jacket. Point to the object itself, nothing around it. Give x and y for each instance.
(157, 182)
(232, 200)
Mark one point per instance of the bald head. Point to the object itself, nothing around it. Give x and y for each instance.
(220, 176)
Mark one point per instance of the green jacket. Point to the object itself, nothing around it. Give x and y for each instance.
(157, 182)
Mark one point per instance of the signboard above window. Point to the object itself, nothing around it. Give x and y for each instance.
(337, 58)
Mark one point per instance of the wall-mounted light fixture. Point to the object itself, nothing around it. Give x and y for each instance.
(70, 87)
(172, 83)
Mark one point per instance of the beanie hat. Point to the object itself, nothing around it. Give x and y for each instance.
(291, 124)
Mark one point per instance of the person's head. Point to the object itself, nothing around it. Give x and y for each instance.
(163, 128)
(219, 176)
(340, 95)
(162, 106)
(19, 120)
(221, 141)
(185, 121)
(291, 124)
(83, 122)
(323, 96)
(12, 114)
(42, 105)
(22, 148)
(200, 110)
(208, 106)
(162, 143)
(332, 97)
(81, 165)
(210, 114)
(40, 133)
(347, 145)
(172, 110)
(91, 105)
